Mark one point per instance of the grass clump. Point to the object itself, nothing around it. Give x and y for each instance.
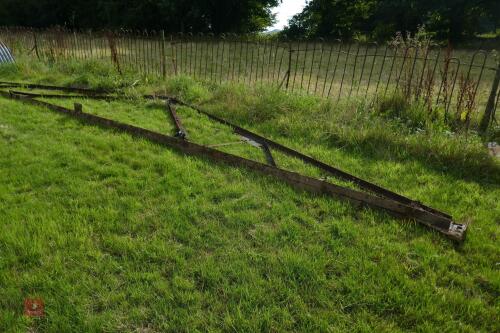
(92, 73)
(398, 107)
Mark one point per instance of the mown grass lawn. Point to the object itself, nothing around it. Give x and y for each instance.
(120, 235)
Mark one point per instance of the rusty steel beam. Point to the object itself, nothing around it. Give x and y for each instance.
(45, 95)
(269, 156)
(5, 84)
(264, 142)
(180, 130)
(437, 222)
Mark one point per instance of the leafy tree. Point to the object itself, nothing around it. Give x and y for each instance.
(172, 15)
(380, 19)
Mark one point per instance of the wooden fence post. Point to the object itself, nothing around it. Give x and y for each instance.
(490, 106)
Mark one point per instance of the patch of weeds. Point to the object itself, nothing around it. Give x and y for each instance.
(413, 114)
(187, 89)
(8, 70)
(91, 73)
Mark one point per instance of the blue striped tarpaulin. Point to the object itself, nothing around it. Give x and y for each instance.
(5, 55)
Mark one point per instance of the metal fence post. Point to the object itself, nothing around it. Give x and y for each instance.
(113, 50)
(289, 70)
(173, 50)
(36, 45)
(490, 106)
(162, 61)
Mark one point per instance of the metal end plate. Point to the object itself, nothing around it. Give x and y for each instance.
(457, 231)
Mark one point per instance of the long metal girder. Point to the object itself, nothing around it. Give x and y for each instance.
(55, 96)
(264, 142)
(8, 84)
(438, 222)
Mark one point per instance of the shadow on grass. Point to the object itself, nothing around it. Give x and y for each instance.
(472, 165)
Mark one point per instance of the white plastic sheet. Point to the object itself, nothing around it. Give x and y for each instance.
(5, 54)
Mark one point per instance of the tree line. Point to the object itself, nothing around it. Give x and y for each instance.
(217, 16)
(452, 20)
(374, 19)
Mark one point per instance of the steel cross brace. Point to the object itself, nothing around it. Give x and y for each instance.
(180, 130)
(181, 133)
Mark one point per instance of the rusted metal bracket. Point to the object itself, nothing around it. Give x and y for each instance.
(268, 154)
(439, 222)
(180, 130)
(264, 147)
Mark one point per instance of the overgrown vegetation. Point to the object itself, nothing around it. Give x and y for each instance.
(120, 235)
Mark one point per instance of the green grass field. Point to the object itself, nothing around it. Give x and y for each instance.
(117, 234)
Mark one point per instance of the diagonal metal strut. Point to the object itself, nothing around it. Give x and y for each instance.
(180, 130)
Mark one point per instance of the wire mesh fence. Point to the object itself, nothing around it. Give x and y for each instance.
(458, 82)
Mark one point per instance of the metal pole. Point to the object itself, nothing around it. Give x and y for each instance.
(490, 106)
(162, 61)
(289, 71)
(36, 45)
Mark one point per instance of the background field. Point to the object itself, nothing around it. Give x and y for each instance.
(120, 235)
